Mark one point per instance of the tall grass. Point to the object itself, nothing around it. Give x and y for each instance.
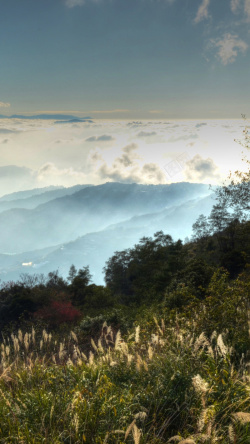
(149, 388)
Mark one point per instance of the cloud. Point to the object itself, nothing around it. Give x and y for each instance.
(199, 169)
(235, 5)
(152, 172)
(50, 174)
(202, 12)
(186, 137)
(13, 171)
(73, 3)
(146, 134)
(128, 157)
(4, 105)
(199, 125)
(103, 138)
(7, 131)
(229, 47)
(15, 178)
(127, 168)
(247, 9)
(149, 173)
(135, 124)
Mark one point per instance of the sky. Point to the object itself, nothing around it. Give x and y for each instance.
(163, 82)
(126, 59)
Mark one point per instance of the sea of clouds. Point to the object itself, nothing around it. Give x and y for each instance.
(40, 153)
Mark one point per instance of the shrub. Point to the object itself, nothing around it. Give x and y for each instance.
(59, 312)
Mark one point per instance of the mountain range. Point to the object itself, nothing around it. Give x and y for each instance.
(46, 117)
(86, 224)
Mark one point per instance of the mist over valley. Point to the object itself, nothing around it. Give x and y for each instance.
(87, 224)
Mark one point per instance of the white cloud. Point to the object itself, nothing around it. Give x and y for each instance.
(50, 174)
(235, 4)
(201, 170)
(129, 167)
(247, 9)
(229, 47)
(149, 173)
(63, 157)
(238, 4)
(4, 105)
(202, 12)
(73, 3)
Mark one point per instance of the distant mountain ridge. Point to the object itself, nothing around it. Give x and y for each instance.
(45, 117)
(90, 209)
(32, 198)
(17, 195)
(95, 248)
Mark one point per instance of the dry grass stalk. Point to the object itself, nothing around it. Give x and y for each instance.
(221, 346)
(150, 353)
(118, 340)
(129, 429)
(137, 334)
(94, 345)
(136, 434)
(241, 417)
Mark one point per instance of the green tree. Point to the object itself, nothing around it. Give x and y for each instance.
(72, 273)
(79, 284)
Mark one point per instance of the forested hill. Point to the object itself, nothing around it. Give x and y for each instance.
(155, 267)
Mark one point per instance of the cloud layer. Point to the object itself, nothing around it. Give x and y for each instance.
(177, 151)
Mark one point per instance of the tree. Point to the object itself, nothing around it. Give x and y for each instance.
(55, 281)
(72, 273)
(143, 272)
(233, 200)
(235, 197)
(79, 283)
(201, 228)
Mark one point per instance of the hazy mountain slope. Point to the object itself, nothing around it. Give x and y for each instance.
(36, 199)
(95, 248)
(88, 210)
(27, 193)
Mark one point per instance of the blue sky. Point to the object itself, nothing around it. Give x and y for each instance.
(126, 58)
